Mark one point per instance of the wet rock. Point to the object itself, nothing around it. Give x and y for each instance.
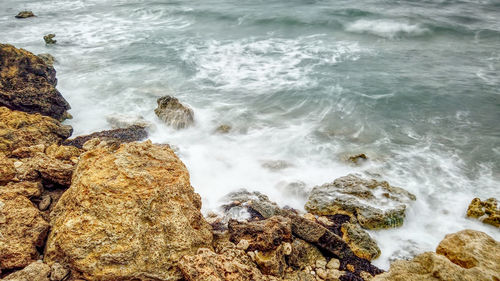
(124, 135)
(23, 230)
(486, 211)
(373, 204)
(129, 214)
(36, 271)
(7, 169)
(360, 241)
(20, 129)
(227, 265)
(58, 272)
(118, 121)
(28, 84)
(262, 235)
(25, 14)
(358, 158)
(466, 255)
(304, 254)
(49, 39)
(25, 188)
(48, 59)
(174, 113)
(223, 129)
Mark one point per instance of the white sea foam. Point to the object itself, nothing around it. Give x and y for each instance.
(386, 28)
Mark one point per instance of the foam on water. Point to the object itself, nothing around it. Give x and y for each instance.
(386, 28)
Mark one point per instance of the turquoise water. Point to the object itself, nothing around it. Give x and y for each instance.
(413, 84)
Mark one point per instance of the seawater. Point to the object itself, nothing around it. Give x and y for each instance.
(413, 84)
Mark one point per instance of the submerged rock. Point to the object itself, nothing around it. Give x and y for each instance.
(130, 214)
(20, 129)
(22, 230)
(49, 39)
(28, 84)
(25, 14)
(486, 211)
(36, 271)
(174, 113)
(123, 135)
(358, 158)
(223, 129)
(373, 204)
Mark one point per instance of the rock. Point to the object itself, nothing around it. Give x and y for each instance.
(7, 169)
(486, 211)
(124, 135)
(358, 158)
(271, 262)
(303, 254)
(45, 202)
(373, 204)
(20, 129)
(25, 188)
(130, 214)
(28, 84)
(223, 129)
(49, 39)
(174, 113)
(276, 165)
(58, 272)
(23, 230)
(48, 59)
(262, 235)
(118, 121)
(25, 14)
(36, 271)
(466, 255)
(333, 264)
(360, 241)
(228, 265)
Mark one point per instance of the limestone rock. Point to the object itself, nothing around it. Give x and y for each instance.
(22, 229)
(372, 203)
(19, 129)
(36, 271)
(25, 14)
(7, 169)
(123, 135)
(49, 39)
(262, 235)
(58, 272)
(486, 211)
(174, 113)
(28, 84)
(272, 262)
(360, 241)
(48, 59)
(304, 254)
(23, 188)
(129, 214)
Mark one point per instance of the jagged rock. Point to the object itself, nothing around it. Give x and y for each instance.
(130, 214)
(36, 271)
(272, 262)
(22, 230)
(7, 169)
(304, 254)
(123, 135)
(467, 255)
(486, 211)
(230, 264)
(48, 59)
(28, 84)
(49, 39)
(24, 188)
(58, 272)
(174, 113)
(372, 203)
(223, 129)
(25, 14)
(358, 158)
(118, 121)
(360, 241)
(262, 235)
(19, 129)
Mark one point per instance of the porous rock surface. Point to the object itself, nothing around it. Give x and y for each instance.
(373, 204)
(486, 211)
(130, 214)
(36, 271)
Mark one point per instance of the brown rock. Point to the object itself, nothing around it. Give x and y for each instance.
(360, 241)
(49, 39)
(48, 59)
(174, 113)
(58, 272)
(129, 214)
(272, 262)
(22, 228)
(20, 129)
(7, 169)
(45, 202)
(262, 235)
(36, 271)
(24, 188)
(25, 14)
(28, 84)
(123, 135)
(304, 254)
(486, 211)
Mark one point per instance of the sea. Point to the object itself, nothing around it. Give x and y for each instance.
(303, 85)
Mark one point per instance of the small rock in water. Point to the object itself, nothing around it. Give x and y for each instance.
(223, 129)
(48, 59)
(486, 211)
(25, 14)
(358, 158)
(49, 39)
(174, 113)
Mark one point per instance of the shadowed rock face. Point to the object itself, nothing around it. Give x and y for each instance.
(122, 135)
(174, 113)
(28, 84)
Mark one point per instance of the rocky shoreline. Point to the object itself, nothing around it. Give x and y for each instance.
(114, 206)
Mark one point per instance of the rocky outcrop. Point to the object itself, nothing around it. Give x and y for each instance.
(36, 271)
(20, 129)
(22, 230)
(373, 204)
(174, 113)
(466, 255)
(122, 135)
(28, 84)
(486, 211)
(129, 214)
(25, 14)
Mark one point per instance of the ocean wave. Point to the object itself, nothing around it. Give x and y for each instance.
(386, 28)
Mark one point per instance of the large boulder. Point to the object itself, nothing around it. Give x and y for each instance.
(19, 129)
(467, 255)
(120, 135)
(486, 211)
(22, 230)
(373, 204)
(28, 84)
(130, 214)
(171, 111)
